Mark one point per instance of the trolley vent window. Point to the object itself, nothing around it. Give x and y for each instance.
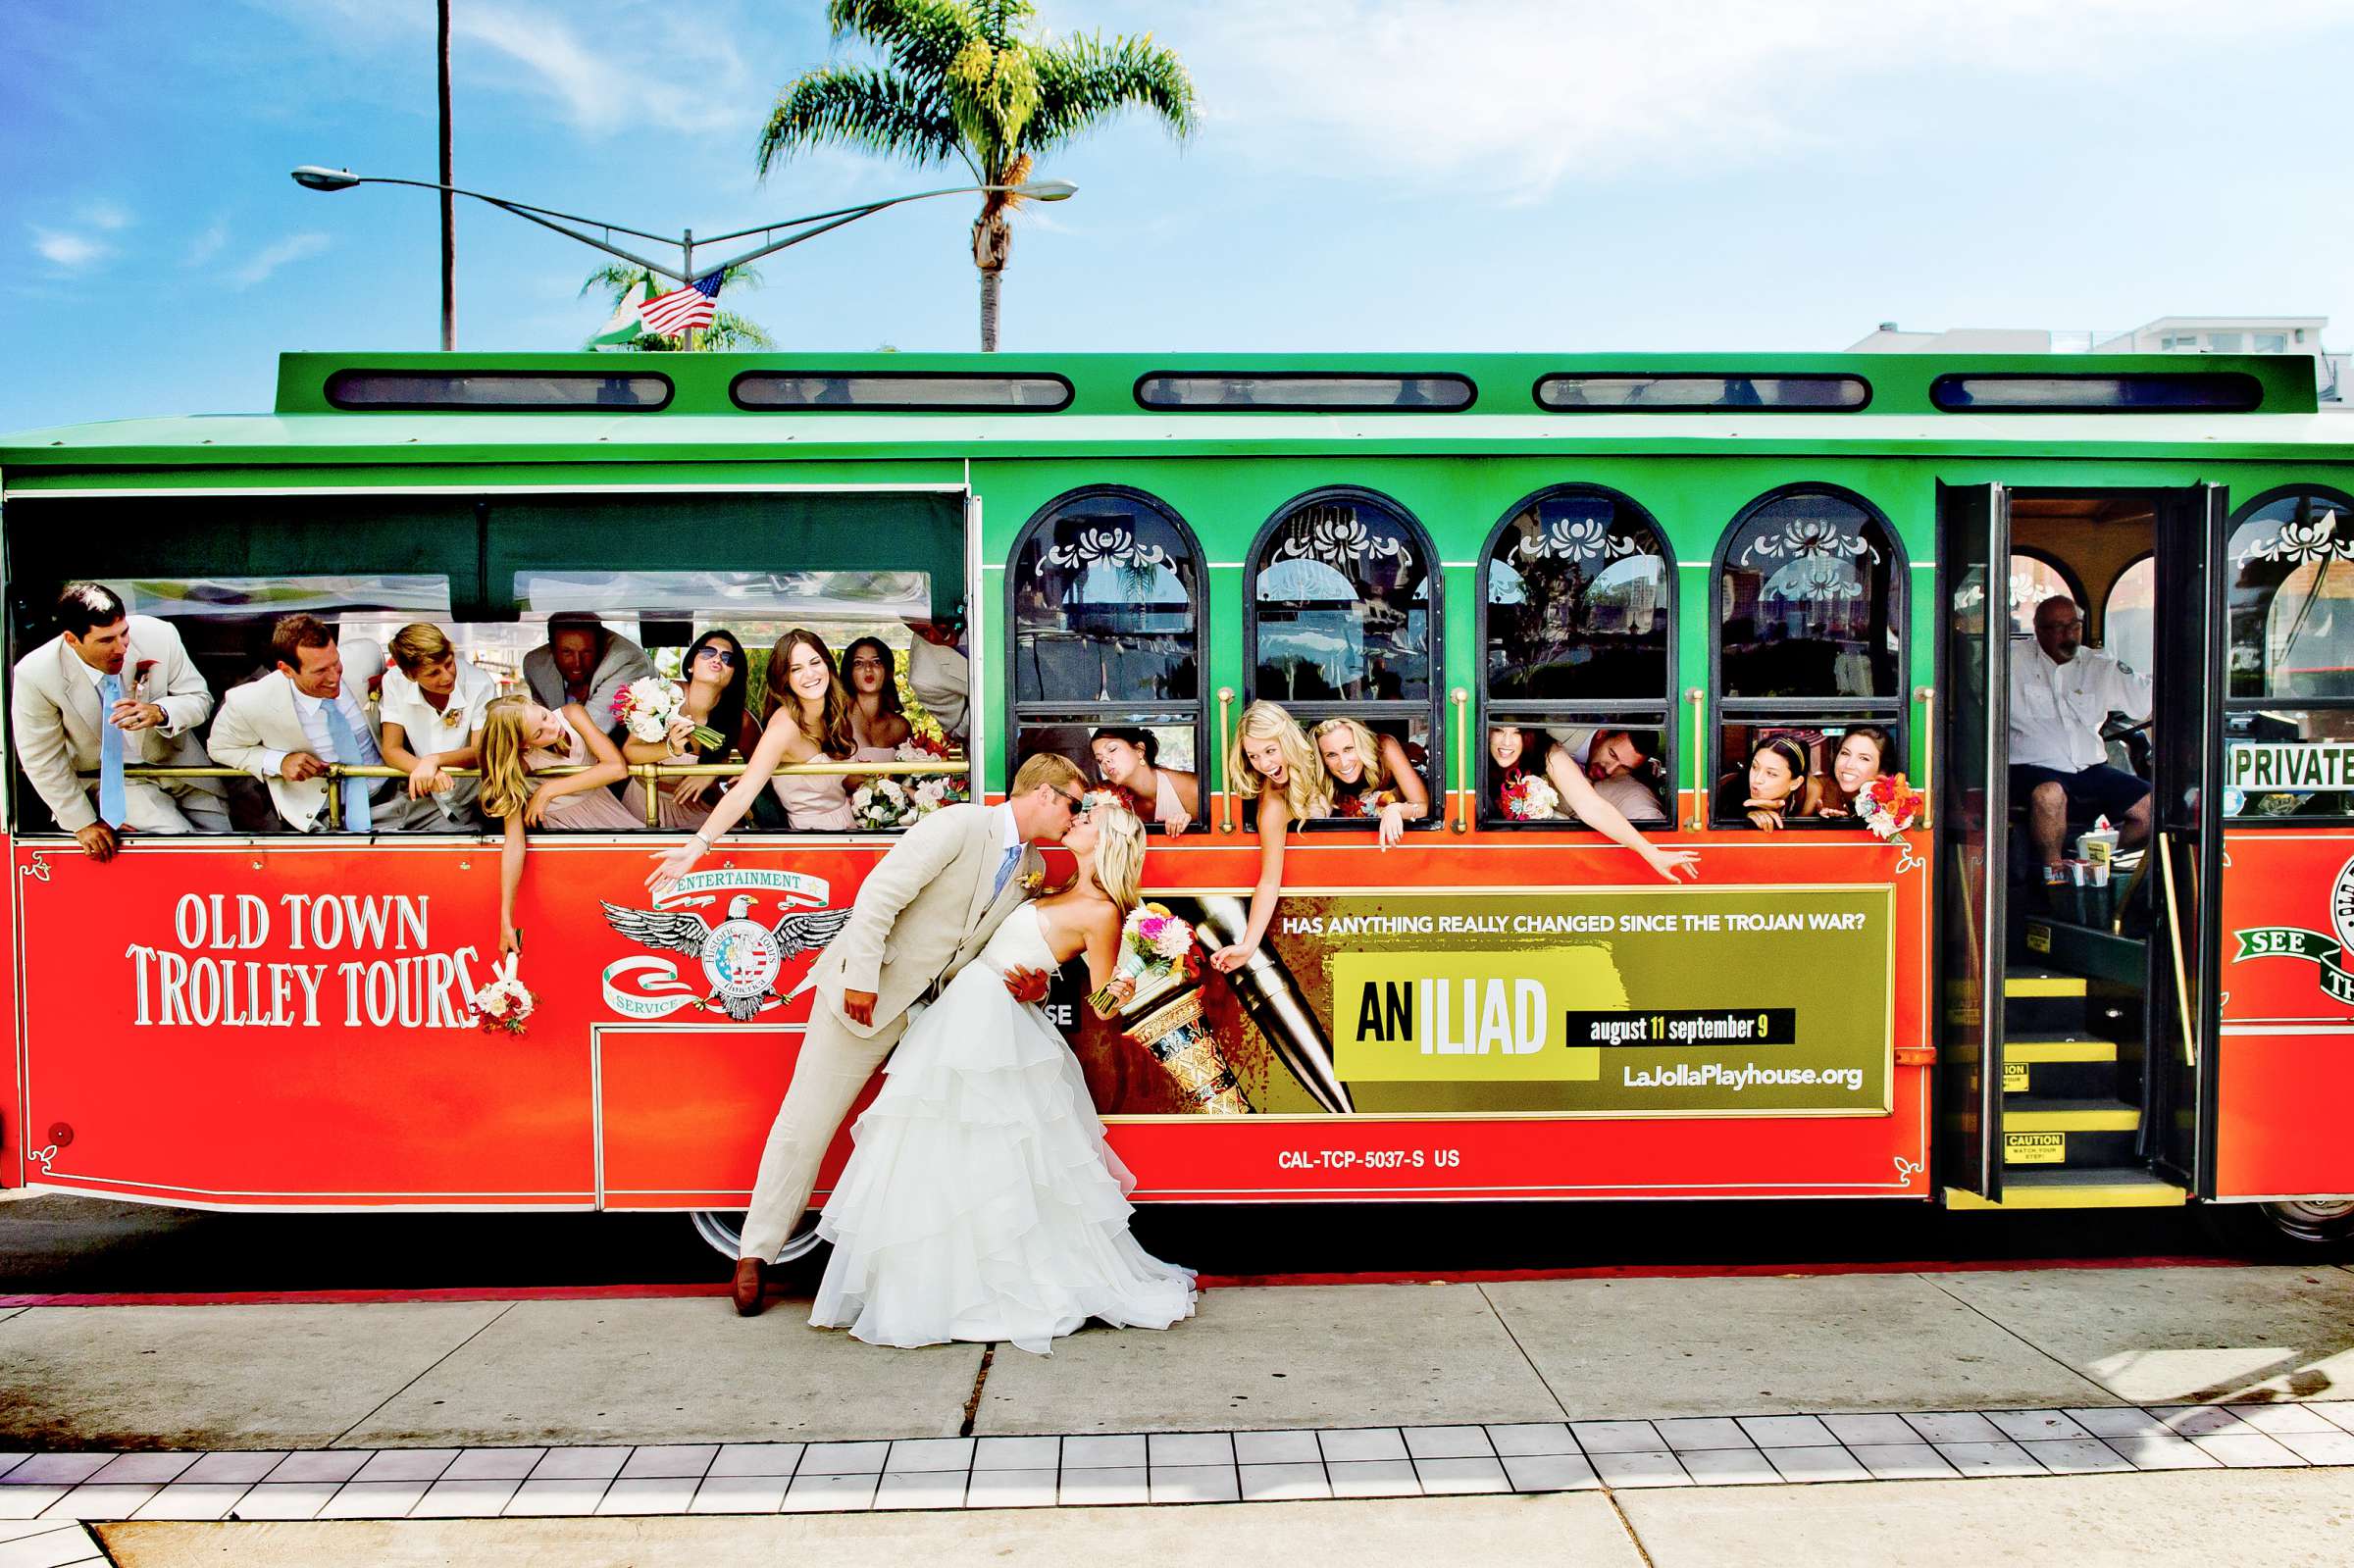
(1324, 394)
(1578, 595)
(2140, 392)
(1810, 652)
(2290, 702)
(901, 392)
(1106, 618)
(1344, 624)
(1691, 394)
(495, 390)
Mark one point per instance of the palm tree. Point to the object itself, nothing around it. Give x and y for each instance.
(960, 81)
(728, 331)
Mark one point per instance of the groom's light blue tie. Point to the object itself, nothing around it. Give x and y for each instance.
(111, 807)
(349, 753)
(1014, 858)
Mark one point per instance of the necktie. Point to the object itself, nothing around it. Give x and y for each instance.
(111, 807)
(347, 752)
(1014, 858)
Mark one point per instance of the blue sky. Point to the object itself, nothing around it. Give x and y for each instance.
(1426, 174)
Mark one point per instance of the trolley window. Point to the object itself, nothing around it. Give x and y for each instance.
(899, 392)
(2138, 392)
(1577, 597)
(2289, 703)
(1343, 621)
(2128, 616)
(1105, 620)
(2035, 577)
(1322, 394)
(494, 391)
(1700, 394)
(1810, 647)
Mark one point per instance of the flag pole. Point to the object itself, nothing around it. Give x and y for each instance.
(687, 266)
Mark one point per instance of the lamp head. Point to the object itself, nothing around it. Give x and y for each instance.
(314, 177)
(1046, 190)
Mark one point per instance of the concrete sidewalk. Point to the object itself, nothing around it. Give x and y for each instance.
(387, 1374)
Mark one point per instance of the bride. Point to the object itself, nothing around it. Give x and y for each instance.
(980, 1201)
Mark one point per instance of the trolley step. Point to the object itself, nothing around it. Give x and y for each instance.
(2032, 1188)
(2028, 980)
(2069, 1066)
(2072, 1134)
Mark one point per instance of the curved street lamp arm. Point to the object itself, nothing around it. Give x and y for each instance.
(548, 218)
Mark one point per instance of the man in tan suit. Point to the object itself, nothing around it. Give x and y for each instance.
(110, 671)
(288, 728)
(923, 913)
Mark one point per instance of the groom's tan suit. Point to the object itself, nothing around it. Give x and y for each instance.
(922, 914)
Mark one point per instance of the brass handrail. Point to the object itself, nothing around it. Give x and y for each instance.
(1926, 696)
(1462, 756)
(1225, 730)
(1700, 756)
(2174, 933)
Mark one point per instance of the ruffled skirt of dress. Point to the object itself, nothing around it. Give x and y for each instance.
(980, 1201)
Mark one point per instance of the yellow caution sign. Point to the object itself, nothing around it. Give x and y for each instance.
(2034, 1148)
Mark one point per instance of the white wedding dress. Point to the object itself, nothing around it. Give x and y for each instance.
(980, 1201)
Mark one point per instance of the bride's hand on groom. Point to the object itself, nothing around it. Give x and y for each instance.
(1026, 985)
(858, 1006)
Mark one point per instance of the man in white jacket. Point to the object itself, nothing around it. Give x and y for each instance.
(288, 726)
(113, 690)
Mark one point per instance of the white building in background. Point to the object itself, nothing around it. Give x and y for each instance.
(2168, 334)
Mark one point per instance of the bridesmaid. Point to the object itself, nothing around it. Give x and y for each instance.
(1129, 758)
(1776, 787)
(715, 681)
(519, 740)
(1371, 777)
(1862, 757)
(878, 722)
(1272, 751)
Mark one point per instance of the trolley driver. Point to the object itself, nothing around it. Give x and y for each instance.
(2061, 694)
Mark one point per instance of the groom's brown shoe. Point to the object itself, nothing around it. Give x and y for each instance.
(751, 1287)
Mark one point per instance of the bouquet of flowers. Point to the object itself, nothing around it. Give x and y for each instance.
(647, 708)
(503, 1006)
(1529, 798)
(1888, 805)
(932, 790)
(883, 804)
(1157, 951)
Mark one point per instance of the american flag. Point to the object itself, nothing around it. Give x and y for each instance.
(682, 310)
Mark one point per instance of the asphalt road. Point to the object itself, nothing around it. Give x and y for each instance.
(65, 1244)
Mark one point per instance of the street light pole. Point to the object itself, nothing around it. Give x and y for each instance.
(314, 177)
(449, 204)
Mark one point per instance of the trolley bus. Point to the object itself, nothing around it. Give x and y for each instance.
(1697, 559)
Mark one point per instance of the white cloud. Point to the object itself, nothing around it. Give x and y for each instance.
(205, 246)
(62, 249)
(615, 83)
(1515, 96)
(269, 258)
(105, 215)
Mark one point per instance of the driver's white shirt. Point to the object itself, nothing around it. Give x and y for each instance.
(2056, 710)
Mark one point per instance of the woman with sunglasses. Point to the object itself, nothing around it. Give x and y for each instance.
(714, 680)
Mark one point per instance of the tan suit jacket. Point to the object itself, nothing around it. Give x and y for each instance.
(922, 914)
(258, 724)
(54, 712)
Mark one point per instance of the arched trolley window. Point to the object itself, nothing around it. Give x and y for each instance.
(2288, 703)
(1810, 607)
(1577, 659)
(1105, 620)
(1342, 621)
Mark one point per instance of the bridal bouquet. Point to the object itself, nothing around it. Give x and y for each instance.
(1888, 805)
(1156, 950)
(881, 805)
(647, 708)
(1529, 798)
(503, 1006)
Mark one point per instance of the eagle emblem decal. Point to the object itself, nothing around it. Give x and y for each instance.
(740, 957)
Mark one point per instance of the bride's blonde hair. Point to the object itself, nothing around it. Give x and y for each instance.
(1120, 852)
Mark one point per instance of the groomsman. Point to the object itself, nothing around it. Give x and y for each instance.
(584, 662)
(288, 728)
(112, 690)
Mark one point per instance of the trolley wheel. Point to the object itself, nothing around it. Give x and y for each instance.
(2299, 1228)
(722, 1231)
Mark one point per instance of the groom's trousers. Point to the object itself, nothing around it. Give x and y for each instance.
(834, 1066)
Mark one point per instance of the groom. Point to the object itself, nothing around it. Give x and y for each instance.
(922, 914)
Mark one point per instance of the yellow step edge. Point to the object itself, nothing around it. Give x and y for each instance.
(2123, 1195)
(2043, 985)
(2059, 1050)
(2102, 1119)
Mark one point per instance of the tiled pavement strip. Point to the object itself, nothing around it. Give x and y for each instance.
(44, 1496)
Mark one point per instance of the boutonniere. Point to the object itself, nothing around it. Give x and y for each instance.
(138, 679)
(1032, 882)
